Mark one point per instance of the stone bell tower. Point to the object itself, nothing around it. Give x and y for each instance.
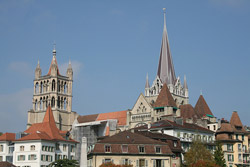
(54, 89)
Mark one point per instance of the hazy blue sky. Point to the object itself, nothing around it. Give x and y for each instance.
(113, 44)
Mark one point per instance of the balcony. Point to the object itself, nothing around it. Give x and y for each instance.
(246, 161)
(245, 151)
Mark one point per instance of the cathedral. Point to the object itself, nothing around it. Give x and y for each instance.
(55, 89)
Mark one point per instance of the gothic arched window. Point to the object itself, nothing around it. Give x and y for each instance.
(36, 88)
(53, 102)
(64, 104)
(53, 85)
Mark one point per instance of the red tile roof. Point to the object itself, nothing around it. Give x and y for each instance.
(173, 125)
(187, 112)
(235, 119)
(49, 73)
(121, 117)
(46, 130)
(165, 98)
(6, 164)
(201, 108)
(133, 140)
(8, 137)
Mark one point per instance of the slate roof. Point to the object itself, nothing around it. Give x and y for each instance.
(8, 137)
(201, 108)
(165, 98)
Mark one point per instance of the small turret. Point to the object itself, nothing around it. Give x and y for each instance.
(38, 71)
(147, 87)
(70, 71)
(185, 86)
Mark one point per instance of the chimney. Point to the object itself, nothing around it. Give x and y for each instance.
(83, 161)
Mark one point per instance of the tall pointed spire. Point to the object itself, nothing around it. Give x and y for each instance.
(166, 68)
(147, 83)
(38, 64)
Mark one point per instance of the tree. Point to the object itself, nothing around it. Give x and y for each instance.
(219, 155)
(64, 163)
(110, 164)
(1, 133)
(199, 156)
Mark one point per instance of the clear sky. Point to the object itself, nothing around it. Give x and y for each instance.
(113, 44)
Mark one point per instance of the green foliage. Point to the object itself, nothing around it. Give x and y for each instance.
(1, 133)
(64, 163)
(110, 164)
(219, 155)
(198, 156)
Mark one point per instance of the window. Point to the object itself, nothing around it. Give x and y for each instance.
(21, 148)
(126, 162)
(178, 134)
(239, 147)
(65, 157)
(32, 147)
(43, 157)
(214, 127)
(175, 143)
(142, 163)
(158, 149)
(32, 157)
(237, 137)
(240, 157)
(124, 148)
(21, 157)
(72, 149)
(64, 147)
(106, 160)
(242, 137)
(229, 147)
(230, 157)
(141, 149)
(107, 148)
(57, 146)
(1, 158)
(1, 148)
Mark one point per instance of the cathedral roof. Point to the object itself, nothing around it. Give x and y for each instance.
(166, 67)
(201, 108)
(165, 98)
(8, 137)
(46, 130)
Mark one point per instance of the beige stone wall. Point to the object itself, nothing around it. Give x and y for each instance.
(117, 159)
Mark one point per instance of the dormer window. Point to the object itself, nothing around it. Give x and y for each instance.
(141, 149)
(158, 149)
(175, 143)
(107, 148)
(124, 148)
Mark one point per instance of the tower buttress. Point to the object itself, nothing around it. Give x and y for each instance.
(185, 86)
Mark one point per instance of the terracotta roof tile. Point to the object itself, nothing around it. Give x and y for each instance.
(169, 124)
(165, 98)
(49, 73)
(225, 127)
(46, 130)
(187, 112)
(201, 108)
(8, 137)
(87, 118)
(133, 141)
(6, 164)
(121, 116)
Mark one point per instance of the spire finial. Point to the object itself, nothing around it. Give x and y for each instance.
(185, 82)
(54, 48)
(164, 12)
(201, 92)
(38, 64)
(147, 83)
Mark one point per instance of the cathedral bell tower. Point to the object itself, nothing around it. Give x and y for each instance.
(56, 90)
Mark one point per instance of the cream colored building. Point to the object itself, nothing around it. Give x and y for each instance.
(55, 89)
(234, 139)
(130, 148)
